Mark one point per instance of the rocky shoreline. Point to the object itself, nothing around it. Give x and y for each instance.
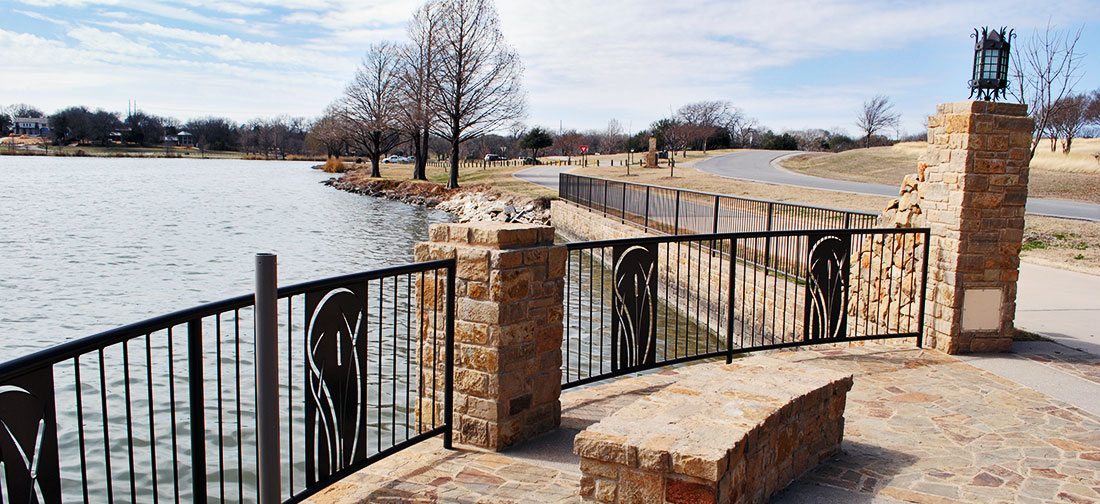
(467, 204)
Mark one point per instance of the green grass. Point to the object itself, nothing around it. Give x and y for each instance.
(1033, 244)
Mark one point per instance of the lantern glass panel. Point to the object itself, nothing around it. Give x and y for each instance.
(990, 62)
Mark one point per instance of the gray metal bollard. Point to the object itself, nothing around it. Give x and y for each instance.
(269, 463)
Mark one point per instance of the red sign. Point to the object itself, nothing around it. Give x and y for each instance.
(584, 149)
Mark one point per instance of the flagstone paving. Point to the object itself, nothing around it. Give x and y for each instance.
(921, 426)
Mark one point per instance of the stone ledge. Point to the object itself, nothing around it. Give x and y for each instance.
(728, 432)
(497, 235)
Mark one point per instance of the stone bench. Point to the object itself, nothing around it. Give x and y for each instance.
(721, 433)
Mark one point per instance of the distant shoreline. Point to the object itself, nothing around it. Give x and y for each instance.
(146, 153)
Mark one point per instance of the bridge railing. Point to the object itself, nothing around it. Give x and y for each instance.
(639, 303)
(680, 211)
(165, 410)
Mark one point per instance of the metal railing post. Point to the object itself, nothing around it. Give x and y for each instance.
(923, 290)
(731, 316)
(197, 410)
(676, 215)
(605, 184)
(268, 462)
(646, 217)
(768, 241)
(717, 205)
(449, 343)
(623, 202)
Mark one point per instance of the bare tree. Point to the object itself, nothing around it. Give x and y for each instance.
(740, 128)
(370, 104)
(479, 77)
(417, 90)
(1045, 68)
(329, 133)
(704, 119)
(24, 110)
(877, 114)
(1069, 116)
(612, 139)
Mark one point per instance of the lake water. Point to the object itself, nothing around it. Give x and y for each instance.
(88, 244)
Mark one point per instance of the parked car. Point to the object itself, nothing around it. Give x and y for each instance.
(394, 158)
(495, 157)
(531, 161)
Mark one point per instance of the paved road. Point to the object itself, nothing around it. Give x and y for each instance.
(759, 166)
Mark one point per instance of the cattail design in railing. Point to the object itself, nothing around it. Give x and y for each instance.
(827, 287)
(336, 358)
(28, 437)
(634, 324)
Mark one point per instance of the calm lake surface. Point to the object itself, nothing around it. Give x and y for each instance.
(89, 244)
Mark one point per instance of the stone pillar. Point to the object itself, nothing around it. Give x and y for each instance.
(651, 154)
(971, 187)
(508, 329)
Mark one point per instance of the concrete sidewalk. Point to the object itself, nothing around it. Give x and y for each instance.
(1061, 305)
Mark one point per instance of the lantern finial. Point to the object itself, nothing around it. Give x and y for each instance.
(991, 51)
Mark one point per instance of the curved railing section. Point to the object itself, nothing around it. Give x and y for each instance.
(639, 303)
(677, 211)
(164, 409)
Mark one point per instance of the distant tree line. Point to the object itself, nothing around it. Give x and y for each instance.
(274, 137)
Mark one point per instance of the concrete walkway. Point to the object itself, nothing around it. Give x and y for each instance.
(920, 426)
(760, 166)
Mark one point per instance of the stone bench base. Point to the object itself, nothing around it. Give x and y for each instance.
(722, 433)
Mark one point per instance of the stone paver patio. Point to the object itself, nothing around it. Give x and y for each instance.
(921, 426)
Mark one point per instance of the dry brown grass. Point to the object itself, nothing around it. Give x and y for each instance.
(1053, 174)
(497, 177)
(688, 177)
(1061, 243)
(334, 165)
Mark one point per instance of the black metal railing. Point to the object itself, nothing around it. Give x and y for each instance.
(680, 211)
(164, 410)
(639, 303)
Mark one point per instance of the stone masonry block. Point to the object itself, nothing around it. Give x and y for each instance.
(508, 329)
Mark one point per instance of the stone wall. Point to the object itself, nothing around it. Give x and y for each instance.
(970, 189)
(721, 433)
(508, 329)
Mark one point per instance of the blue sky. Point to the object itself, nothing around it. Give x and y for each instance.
(790, 63)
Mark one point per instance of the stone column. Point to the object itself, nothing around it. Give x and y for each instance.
(971, 188)
(651, 154)
(508, 329)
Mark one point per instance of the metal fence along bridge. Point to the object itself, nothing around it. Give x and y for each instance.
(273, 396)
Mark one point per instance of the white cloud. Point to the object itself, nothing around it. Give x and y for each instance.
(109, 42)
(585, 61)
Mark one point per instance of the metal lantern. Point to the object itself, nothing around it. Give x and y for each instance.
(991, 48)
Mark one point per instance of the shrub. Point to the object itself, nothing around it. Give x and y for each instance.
(334, 165)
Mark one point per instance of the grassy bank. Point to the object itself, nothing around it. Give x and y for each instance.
(498, 177)
(1053, 174)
